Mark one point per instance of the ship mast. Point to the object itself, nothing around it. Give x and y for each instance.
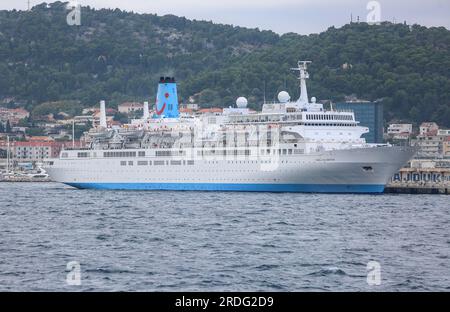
(303, 75)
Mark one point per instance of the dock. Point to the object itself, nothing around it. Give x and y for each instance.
(413, 189)
(424, 177)
(23, 179)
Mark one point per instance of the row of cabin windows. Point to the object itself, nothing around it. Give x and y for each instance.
(191, 162)
(122, 154)
(181, 153)
(170, 153)
(282, 151)
(257, 118)
(223, 152)
(329, 124)
(328, 117)
(199, 153)
(158, 162)
(248, 152)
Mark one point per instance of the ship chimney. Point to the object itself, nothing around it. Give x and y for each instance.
(146, 111)
(167, 98)
(103, 114)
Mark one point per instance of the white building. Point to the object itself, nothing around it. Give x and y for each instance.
(432, 141)
(129, 107)
(428, 129)
(400, 131)
(443, 132)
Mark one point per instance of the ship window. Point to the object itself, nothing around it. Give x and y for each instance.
(142, 163)
(149, 162)
(175, 162)
(83, 155)
(119, 154)
(159, 162)
(190, 162)
(163, 153)
(141, 154)
(290, 151)
(64, 155)
(123, 163)
(130, 163)
(284, 151)
(268, 151)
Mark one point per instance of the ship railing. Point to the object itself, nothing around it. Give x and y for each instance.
(76, 149)
(342, 110)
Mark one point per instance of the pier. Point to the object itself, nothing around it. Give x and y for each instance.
(423, 177)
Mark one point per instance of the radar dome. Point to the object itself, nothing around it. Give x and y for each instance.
(313, 99)
(283, 97)
(241, 102)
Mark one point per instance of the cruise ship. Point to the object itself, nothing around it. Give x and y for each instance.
(289, 146)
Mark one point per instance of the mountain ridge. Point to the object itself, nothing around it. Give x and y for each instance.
(118, 56)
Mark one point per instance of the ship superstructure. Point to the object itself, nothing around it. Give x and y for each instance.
(294, 146)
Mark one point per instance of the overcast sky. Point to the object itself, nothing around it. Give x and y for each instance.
(300, 16)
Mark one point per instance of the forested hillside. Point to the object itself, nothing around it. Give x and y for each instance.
(118, 56)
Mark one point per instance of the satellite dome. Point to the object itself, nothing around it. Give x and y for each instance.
(283, 97)
(313, 99)
(241, 102)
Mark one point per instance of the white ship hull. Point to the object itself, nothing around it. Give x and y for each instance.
(358, 170)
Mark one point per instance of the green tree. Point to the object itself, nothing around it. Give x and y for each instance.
(8, 127)
(121, 117)
(119, 56)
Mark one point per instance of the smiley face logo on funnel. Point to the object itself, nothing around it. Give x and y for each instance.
(159, 112)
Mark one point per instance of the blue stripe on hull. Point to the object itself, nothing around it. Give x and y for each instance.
(301, 188)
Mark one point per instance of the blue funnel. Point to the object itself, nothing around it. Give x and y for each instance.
(167, 99)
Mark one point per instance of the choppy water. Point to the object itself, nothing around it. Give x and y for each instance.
(201, 241)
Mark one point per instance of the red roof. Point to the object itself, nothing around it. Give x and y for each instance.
(19, 110)
(211, 110)
(40, 139)
(186, 110)
(35, 144)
